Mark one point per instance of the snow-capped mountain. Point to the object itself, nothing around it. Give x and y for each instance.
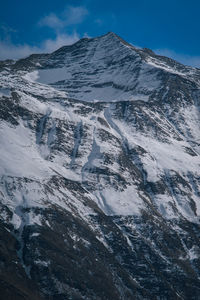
(100, 174)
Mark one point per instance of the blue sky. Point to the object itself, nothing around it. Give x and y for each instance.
(170, 28)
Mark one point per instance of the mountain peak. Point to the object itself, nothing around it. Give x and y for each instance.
(104, 68)
(113, 36)
(110, 34)
(99, 200)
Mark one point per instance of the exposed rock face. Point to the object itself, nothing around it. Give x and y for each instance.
(100, 174)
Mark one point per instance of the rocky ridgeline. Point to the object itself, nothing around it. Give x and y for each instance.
(100, 181)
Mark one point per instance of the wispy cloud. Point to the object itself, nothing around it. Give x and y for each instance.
(6, 30)
(60, 23)
(51, 21)
(185, 59)
(99, 22)
(72, 15)
(8, 50)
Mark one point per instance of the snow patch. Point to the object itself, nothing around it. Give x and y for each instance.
(5, 92)
(120, 202)
(32, 76)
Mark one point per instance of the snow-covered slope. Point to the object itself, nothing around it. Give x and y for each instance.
(105, 69)
(100, 153)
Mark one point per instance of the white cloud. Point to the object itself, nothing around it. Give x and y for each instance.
(51, 21)
(61, 40)
(8, 50)
(72, 15)
(185, 59)
(75, 15)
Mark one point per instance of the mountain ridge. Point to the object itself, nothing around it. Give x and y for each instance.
(100, 182)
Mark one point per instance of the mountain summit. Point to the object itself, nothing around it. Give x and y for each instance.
(104, 69)
(99, 170)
